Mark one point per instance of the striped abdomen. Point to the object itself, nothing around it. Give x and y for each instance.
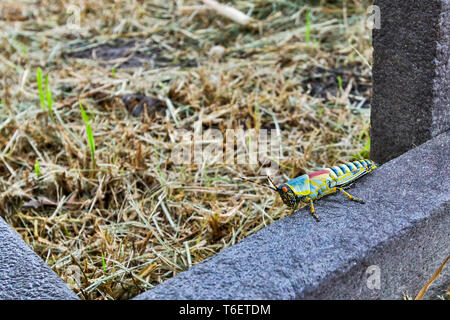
(348, 172)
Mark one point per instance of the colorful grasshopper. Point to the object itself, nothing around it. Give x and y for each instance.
(310, 187)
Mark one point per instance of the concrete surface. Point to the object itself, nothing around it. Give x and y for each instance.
(23, 274)
(411, 76)
(403, 229)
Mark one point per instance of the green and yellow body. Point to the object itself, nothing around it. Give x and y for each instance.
(308, 188)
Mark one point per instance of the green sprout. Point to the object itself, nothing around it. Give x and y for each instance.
(44, 96)
(41, 91)
(339, 79)
(364, 153)
(103, 263)
(49, 97)
(257, 117)
(37, 169)
(308, 26)
(90, 136)
(24, 49)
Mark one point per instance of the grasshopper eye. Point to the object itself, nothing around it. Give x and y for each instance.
(284, 189)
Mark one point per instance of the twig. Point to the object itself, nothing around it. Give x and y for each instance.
(430, 282)
(193, 9)
(229, 12)
(85, 95)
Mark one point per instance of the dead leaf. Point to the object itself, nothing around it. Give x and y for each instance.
(136, 104)
(39, 202)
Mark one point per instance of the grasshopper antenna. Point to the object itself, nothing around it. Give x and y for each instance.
(259, 184)
(271, 181)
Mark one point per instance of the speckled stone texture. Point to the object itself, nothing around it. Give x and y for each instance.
(23, 274)
(411, 75)
(404, 229)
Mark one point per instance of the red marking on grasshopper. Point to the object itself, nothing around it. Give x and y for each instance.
(318, 173)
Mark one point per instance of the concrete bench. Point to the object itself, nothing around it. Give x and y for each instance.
(23, 274)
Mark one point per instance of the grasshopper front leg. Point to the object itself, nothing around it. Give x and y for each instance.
(311, 206)
(294, 208)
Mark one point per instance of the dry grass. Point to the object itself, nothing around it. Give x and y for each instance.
(136, 219)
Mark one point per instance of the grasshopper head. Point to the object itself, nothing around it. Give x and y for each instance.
(285, 191)
(287, 195)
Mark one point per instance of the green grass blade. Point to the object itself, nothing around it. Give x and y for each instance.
(308, 26)
(364, 153)
(341, 88)
(37, 169)
(41, 91)
(49, 97)
(84, 115)
(90, 135)
(103, 263)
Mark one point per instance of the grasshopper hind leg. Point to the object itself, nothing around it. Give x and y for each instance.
(359, 200)
(348, 186)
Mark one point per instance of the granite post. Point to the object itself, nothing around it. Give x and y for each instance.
(411, 76)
